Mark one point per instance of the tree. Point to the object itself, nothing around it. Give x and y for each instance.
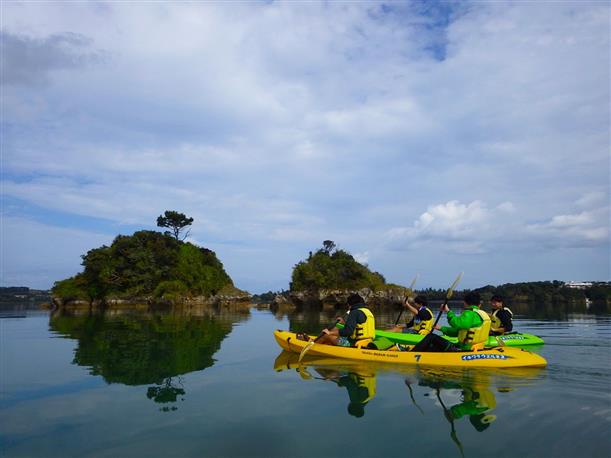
(176, 222)
(328, 245)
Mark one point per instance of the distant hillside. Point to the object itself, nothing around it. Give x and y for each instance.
(22, 297)
(595, 296)
(147, 264)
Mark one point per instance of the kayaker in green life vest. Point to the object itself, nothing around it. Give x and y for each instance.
(422, 320)
(472, 327)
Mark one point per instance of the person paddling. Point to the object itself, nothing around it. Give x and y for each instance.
(472, 327)
(422, 321)
(359, 327)
(501, 317)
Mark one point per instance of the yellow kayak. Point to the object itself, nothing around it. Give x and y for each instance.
(497, 357)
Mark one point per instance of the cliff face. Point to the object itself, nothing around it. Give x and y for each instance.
(238, 299)
(336, 298)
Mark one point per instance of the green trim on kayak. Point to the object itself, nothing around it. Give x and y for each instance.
(511, 340)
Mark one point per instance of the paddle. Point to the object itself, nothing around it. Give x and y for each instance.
(411, 395)
(450, 418)
(448, 296)
(409, 290)
(312, 342)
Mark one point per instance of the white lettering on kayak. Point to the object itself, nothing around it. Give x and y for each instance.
(383, 355)
(485, 356)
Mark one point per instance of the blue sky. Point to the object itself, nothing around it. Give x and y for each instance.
(422, 137)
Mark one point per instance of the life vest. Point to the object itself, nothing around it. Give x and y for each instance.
(425, 326)
(475, 338)
(364, 332)
(367, 382)
(484, 399)
(495, 322)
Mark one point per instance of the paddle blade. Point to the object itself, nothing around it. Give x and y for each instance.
(305, 350)
(413, 283)
(451, 290)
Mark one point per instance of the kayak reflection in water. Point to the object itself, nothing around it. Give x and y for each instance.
(361, 387)
(477, 402)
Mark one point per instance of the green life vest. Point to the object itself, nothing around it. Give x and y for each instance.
(475, 337)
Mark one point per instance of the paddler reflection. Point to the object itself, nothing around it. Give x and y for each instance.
(477, 404)
(358, 380)
(361, 387)
(477, 400)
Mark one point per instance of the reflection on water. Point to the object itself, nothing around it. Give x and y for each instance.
(235, 405)
(476, 402)
(145, 349)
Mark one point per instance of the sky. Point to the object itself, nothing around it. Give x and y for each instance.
(423, 138)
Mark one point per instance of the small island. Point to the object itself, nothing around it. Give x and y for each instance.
(149, 268)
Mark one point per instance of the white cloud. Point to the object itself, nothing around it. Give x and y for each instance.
(303, 121)
(362, 258)
(584, 228)
(461, 227)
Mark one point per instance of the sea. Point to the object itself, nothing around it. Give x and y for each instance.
(214, 383)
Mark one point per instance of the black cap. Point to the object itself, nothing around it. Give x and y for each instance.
(356, 409)
(472, 298)
(354, 299)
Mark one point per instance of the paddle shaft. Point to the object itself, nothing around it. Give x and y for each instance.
(445, 302)
(450, 418)
(409, 290)
(328, 329)
(311, 343)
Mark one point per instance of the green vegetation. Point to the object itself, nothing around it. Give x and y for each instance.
(22, 297)
(541, 294)
(328, 269)
(146, 264)
(134, 351)
(176, 222)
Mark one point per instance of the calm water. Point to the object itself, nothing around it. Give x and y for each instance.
(217, 385)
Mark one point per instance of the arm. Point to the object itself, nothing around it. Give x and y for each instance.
(467, 319)
(410, 307)
(350, 325)
(506, 324)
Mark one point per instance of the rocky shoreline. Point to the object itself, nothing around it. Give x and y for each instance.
(336, 299)
(238, 300)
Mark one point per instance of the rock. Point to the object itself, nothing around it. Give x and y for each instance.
(325, 299)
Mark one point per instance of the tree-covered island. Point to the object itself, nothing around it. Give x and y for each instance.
(330, 274)
(149, 267)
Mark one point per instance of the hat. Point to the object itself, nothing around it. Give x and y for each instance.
(354, 299)
(356, 409)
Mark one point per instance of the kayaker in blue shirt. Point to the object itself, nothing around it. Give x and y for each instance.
(422, 319)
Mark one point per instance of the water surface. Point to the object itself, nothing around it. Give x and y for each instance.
(217, 385)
